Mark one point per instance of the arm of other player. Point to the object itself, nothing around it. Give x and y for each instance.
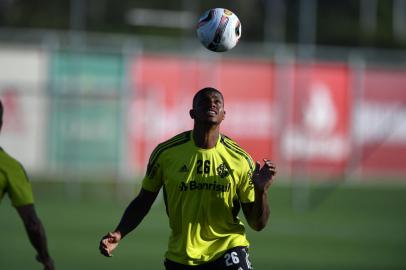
(132, 217)
(36, 234)
(257, 213)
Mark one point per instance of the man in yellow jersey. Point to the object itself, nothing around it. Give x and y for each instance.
(14, 181)
(206, 177)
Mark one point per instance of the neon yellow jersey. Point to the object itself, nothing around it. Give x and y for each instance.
(14, 181)
(202, 189)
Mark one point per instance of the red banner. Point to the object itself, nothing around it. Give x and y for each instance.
(317, 133)
(299, 115)
(381, 122)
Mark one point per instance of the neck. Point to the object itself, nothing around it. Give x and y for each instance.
(206, 137)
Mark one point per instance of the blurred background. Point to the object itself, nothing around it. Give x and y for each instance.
(91, 87)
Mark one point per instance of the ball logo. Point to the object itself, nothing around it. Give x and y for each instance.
(228, 12)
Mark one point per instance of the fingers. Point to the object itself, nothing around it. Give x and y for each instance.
(104, 249)
(269, 166)
(112, 236)
(108, 243)
(257, 167)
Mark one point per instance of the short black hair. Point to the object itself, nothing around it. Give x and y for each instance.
(204, 91)
(1, 114)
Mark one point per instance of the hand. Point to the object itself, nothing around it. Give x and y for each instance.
(262, 178)
(47, 262)
(109, 242)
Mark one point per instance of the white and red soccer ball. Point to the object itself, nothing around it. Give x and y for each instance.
(219, 29)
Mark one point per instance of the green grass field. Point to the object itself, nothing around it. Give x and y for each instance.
(345, 227)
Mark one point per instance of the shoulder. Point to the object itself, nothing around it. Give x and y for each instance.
(237, 150)
(8, 162)
(173, 142)
(165, 146)
(12, 169)
(177, 140)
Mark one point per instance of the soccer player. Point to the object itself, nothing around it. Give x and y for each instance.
(206, 178)
(14, 181)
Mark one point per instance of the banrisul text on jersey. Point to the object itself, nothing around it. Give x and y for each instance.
(194, 185)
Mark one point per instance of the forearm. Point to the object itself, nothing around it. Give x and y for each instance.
(260, 211)
(36, 234)
(132, 217)
(257, 213)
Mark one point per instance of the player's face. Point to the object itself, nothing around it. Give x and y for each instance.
(209, 108)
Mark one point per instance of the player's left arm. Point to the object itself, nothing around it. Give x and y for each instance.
(20, 192)
(36, 234)
(257, 213)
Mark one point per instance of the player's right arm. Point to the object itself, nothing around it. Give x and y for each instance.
(138, 208)
(132, 217)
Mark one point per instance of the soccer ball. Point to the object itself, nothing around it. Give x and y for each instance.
(219, 29)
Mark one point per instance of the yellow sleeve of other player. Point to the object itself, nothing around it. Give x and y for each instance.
(17, 186)
(20, 189)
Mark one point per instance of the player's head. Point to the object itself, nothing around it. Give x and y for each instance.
(208, 106)
(1, 114)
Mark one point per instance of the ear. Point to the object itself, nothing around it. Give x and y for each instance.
(192, 114)
(224, 115)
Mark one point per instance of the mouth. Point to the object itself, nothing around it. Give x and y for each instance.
(211, 113)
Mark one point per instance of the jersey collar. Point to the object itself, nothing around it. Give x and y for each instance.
(193, 141)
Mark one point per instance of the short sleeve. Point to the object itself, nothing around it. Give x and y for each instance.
(19, 187)
(246, 191)
(153, 178)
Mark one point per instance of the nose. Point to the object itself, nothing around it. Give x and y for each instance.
(212, 103)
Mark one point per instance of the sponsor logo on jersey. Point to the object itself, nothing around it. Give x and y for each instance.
(194, 185)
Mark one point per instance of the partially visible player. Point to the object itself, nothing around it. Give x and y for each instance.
(206, 178)
(14, 182)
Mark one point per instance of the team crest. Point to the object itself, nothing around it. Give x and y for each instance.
(222, 170)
